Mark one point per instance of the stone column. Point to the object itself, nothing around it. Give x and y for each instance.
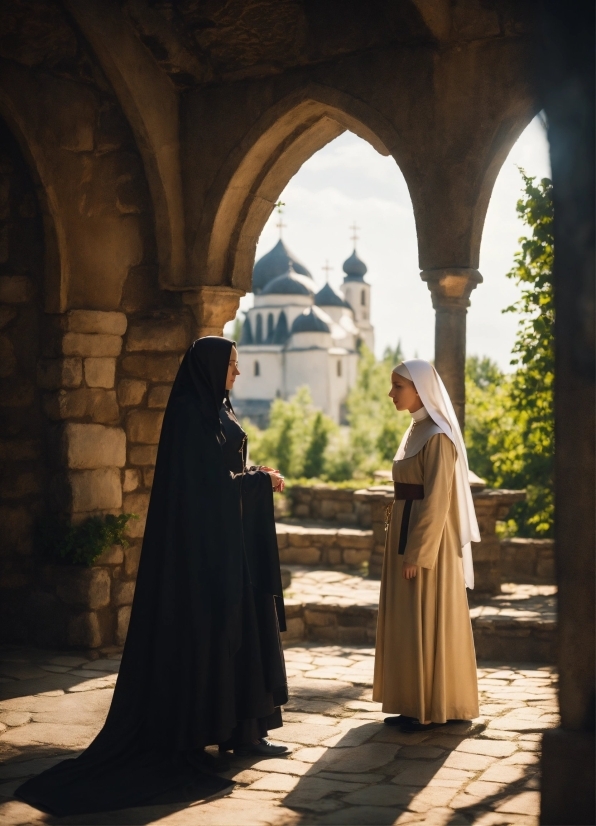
(450, 289)
(212, 308)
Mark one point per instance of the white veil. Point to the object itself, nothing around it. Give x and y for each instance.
(433, 395)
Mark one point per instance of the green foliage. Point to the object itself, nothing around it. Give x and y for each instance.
(314, 458)
(375, 426)
(64, 543)
(296, 439)
(509, 418)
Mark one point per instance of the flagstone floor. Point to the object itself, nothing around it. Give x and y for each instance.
(346, 767)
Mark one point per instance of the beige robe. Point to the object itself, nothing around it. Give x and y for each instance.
(425, 665)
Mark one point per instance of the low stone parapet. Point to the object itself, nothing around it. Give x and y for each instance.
(315, 544)
(325, 502)
(528, 560)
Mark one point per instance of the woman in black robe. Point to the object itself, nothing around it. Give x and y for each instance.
(203, 662)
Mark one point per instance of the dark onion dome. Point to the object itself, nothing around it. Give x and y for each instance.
(354, 268)
(327, 297)
(282, 333)
(290, 283)
(312, 320)
(273, 264)
(246, 336)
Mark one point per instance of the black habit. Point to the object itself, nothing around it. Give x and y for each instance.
(202, 663)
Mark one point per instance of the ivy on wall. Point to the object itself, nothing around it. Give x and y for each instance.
(63, 543)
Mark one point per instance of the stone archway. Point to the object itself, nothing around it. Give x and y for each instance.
(270, 155)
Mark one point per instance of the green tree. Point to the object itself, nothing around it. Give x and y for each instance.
(532, 383)
(509, 418)
(314, 458)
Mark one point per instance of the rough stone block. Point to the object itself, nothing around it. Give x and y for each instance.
(282, 536)
(88, 587)
(148, 474)
(20, 485)
(122, 623)
(93, 490)
(19, 450)
(157, 335)
(347, 538)
(91, 344)
(143, 454)
(17, 527)
(295, 629)
(6, 316)
(131, 392)
(84, 631)
(300, 556)
(8, 361)
(112, 556)
(132, 555)
(100, 372)
(152, 368)
(122, 593)
(136, 503)
(158, 396)
(89, 446)
(144, 426)
(319, 617)
(355, 556)
(66, 404)
(103, 406)
(96, 321)
(333, 556)
(131, 480)
(15, 289)
(301, 511)
(52, 374)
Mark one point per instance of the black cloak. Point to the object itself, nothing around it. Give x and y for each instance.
(202, 663)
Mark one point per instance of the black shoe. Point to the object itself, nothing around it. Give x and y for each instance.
(415, 725)
(216, 762)
(261, 749)
(399, 720)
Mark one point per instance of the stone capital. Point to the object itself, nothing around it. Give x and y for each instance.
(212, 307)
(450, 287)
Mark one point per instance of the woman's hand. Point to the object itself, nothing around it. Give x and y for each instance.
(409, 571)
(277, 480)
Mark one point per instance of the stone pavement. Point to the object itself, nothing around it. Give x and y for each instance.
(335, 606)
(346, 767)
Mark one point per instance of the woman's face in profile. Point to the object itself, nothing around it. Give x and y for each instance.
(233, 370)
(403, 393)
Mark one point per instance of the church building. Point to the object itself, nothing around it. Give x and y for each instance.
(295, 335)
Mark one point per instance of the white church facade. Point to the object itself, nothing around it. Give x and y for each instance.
(295, 335)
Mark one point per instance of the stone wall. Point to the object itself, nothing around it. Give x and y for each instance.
(325, 502)
(329, 547)
(107, 387)
(528, 560)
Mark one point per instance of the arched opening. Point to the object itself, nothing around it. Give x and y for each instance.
(259, 330)
(270, 326)
(338, 369)
(257, 369)
(289, 134)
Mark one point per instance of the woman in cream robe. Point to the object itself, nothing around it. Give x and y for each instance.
(425, 665)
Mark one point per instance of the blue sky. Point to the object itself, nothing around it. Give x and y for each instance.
(349, 181)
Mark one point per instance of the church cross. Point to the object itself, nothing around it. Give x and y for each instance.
(327, 269)
(354, 235)
(280, 224)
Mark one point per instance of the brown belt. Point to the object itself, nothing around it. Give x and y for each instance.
(403, 491)
(409, 493)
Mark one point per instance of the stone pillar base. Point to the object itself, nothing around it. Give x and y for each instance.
(212, 308)
(567, 778)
